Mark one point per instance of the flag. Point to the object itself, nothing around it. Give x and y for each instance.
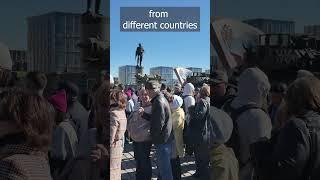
(182, 74)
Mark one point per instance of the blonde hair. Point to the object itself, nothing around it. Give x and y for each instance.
(205, 91)
(303, 95)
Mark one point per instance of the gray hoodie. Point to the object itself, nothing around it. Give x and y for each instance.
(253, 124)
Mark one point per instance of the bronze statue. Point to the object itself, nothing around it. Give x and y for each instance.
(139, 54)
(97, 6)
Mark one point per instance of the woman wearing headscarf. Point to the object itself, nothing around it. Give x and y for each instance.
(224, 164)
(178, 118)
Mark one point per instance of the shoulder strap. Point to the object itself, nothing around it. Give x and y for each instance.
(235, 113)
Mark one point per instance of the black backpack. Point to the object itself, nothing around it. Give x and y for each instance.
(234, 141)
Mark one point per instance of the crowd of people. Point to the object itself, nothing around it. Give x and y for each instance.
(254, 130)
(47, 136)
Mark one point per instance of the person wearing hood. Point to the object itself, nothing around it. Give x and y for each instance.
(253, 123)
(188, 99)
(178, 118)
(5, 67)
(224, 164)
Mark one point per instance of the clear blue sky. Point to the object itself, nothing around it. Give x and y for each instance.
(183, 49)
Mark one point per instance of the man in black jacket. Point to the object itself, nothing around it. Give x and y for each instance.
(161, 128)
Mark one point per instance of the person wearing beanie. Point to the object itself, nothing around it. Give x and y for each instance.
(77, 111)
(129, 110)
(5, 67)
(65, 139)
(178, 118)
(224, 164)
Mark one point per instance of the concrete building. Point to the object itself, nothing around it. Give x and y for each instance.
(52, 42)
(207, 71)
(165, 73)
(195, 70)
(313, 30)
(272, 26)
(127, 75)
(19, 60)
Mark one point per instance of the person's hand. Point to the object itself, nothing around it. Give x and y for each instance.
(99, 153)
(141, 111)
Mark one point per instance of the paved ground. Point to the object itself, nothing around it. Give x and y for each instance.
(128, 165)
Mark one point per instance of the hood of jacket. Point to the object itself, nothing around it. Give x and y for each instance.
(188, 89)
(253, 88)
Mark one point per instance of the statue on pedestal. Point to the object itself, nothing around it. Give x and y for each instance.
(139, 55)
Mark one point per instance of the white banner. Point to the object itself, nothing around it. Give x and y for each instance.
(182, 74)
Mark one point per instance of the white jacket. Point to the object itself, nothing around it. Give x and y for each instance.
(189, 100)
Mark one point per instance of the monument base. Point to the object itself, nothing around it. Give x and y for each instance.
(139, 70)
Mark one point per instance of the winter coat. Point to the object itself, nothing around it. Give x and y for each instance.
(118, 125)
(224, 164)
(253, 124)
(291, 152)
(198, 122)
(188, 99)
(80, 116)
(161, 120)
(178, 117)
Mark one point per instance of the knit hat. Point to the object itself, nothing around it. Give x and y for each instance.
(5, 58)
(177, 102)
(129, 93)
(59, 101)
(222, 125)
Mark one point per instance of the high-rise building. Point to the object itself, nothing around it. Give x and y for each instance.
(127, 75)
(195, 70)
(19, 60)
(52, 42)
(313, 30)
(166, 73)
(272, 26)
(207, 71)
